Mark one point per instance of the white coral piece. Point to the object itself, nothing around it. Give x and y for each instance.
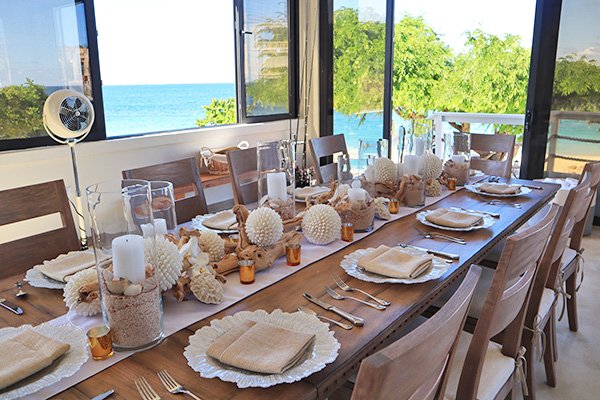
(430, 166)
(385, 170)
(264, 227)
(169, 261)
(381, 208)
(212, 244)
(340, 192)
(206, 287)
(71, 293)
(433, 189)
(321, 224)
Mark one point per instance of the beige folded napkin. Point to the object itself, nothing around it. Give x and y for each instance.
(223, 220)
(260, 347)
(364, 260)
(25, 354)
(453, 219)
(64, 266)
(396, 263)
(310, 191)
(499, 188)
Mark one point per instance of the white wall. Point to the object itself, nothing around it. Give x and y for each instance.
(101, 161)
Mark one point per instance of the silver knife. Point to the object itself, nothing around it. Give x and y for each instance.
(103, 395)
(10, 306)
(533, 187)
(352, 318)
(491, 214)
(439, 253)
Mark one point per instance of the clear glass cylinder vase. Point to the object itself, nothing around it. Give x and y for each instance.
(457, 159)
(276, 164)
(163, 209)
(125, 260)
(412, 187)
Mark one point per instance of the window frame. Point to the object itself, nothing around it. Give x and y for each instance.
(242, 116)
(98, 131)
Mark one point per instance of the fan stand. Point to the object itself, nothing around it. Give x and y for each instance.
(78, 207)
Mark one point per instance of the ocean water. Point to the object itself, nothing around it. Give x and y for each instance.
(135, 109)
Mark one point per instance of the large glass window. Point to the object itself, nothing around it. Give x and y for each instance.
(359, 29)
(43, 48)
(264, 38)
(166, 65)
(574, 134)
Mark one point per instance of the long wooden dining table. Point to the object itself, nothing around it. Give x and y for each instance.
(407, 302)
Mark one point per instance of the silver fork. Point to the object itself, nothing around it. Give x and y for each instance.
(145, 390)
(433, 235)
(498, 202)
(346, 288)
(172, 386)
(338, 296)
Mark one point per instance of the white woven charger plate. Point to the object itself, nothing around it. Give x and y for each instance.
(350, 265)
(36, 279)
(475, 189)
(198, 223)
(487, 221)
(324, 349)
(67, 365)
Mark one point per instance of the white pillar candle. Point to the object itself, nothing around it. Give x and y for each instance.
(160, 227)
(411, 165)
(356, 194)
(419, 146)
(128, 258)
(276, 186)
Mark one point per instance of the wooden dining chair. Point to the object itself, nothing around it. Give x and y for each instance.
(496, 151)
(36, 224)
(185, 176)
(573, 261)
(327, 146)
(482, 368)
(244, 175)
(384, 375)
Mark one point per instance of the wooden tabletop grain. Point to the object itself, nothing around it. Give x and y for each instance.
(408, 301)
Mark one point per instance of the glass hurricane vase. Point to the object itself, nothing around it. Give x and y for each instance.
(125, 261)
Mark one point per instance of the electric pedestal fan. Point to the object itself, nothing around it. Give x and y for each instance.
(68, 118)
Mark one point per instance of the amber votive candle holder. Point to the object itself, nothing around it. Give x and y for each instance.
(293, 253)
(347, 231)
(246, 271)
(100, 341)
(451, 184)
(394, 205)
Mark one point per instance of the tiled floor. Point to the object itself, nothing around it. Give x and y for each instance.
(578, 366)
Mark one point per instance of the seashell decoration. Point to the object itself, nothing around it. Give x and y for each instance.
(212, 244)
(430, 166)
(381, 208)
(433, 189)
(321, 224)
(386, 170)
(340, 192)
(205, 286)
(82, 293)
(168, 261)
(264, 227)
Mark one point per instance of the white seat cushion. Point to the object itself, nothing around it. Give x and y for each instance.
(568, 257)
(497, 369)
(547, 300)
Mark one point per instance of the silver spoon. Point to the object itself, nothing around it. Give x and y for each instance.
(311, 312)
(338, 296)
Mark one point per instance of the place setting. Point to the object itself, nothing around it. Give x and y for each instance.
(458, 220)
(222, 222)
(498, 189)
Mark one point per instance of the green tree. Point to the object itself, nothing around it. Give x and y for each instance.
(358, 63)
(21, 109)
(491, 76)
(421, 62)
(218, 112)
(576, 84)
